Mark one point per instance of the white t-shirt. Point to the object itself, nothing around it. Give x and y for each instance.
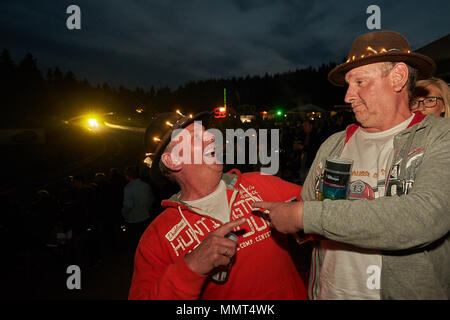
(348, 272)
(215, 203)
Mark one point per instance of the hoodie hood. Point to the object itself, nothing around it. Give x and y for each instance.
(231, 179)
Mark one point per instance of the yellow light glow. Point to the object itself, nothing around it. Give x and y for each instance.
(169, 124)
(191, 116)
(156, 139)
(93, 123)
(369, 48)
(222, 109)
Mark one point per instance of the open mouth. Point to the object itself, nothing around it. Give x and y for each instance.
(210, 154)
(210, 151)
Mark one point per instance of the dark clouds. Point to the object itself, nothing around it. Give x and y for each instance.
(144, 43)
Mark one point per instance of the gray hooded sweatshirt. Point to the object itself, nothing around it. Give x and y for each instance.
(409, 225)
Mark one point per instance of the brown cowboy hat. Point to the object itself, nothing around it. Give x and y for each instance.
(381, 46)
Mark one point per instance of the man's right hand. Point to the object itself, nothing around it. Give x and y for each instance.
(215, 250)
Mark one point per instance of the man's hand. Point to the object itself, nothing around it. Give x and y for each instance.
(286, 217)
(215, 250)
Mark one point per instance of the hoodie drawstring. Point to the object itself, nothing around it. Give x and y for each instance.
(190, 227)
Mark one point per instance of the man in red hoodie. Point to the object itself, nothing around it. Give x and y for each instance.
(185, 245)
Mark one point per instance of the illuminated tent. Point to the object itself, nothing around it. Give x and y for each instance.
(307, 108)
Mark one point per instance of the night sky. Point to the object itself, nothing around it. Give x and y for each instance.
(168, 43)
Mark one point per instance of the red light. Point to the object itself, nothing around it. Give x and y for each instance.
(220, 112)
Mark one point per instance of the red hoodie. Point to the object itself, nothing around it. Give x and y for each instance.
(262, 270)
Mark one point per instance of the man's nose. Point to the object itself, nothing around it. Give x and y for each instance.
(350, 95)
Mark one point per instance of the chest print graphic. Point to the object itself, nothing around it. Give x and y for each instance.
(402, 182)
(184, 239)
(181, 237)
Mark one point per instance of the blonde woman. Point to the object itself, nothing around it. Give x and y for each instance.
(431, 96)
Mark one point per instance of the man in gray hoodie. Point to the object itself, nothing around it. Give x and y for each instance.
(390, 239)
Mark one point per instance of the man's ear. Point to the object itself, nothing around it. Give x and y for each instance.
(399, 76)
(171, 161)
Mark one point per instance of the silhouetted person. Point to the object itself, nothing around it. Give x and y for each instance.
(310, 144)
(45, 218)
(102, 219)
(137, 201)
(117, 183)
(81, 217)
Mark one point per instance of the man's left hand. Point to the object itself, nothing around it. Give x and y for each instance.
(286, 217)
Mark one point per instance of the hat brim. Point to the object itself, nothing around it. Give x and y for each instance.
(425, 65)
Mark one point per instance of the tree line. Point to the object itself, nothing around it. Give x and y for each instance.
(31, 97)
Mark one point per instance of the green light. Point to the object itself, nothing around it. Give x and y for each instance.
(225, 97)
(279, 112)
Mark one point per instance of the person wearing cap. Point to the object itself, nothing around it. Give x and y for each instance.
(390, 239)
(184, 249)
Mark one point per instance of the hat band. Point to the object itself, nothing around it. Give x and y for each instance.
(371, 52)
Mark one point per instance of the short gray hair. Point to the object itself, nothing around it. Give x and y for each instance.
(412, 75)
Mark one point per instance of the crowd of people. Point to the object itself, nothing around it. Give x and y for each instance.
(300, 135)
(80, 223)
(300, 140)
